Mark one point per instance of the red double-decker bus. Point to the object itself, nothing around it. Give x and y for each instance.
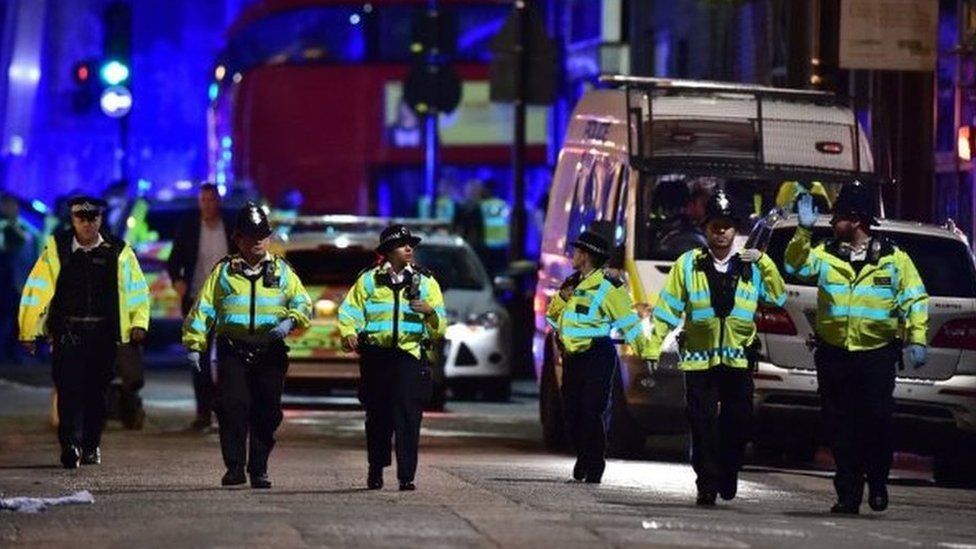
(308, 95)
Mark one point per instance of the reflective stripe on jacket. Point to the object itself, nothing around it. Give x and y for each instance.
(709, 340)
(43, 279)
(233, 305)
(599, 305)
(375, 310)
(862, 311)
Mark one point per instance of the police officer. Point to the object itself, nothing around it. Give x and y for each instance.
(867, 286)
(389, 316)
(590, 304)
(251, 300)
(87, 294)
(717, 291)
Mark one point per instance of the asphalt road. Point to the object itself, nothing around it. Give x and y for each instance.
(484, 481)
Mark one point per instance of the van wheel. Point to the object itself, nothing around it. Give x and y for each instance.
(551, 406)
(953, 466)
(626, 438)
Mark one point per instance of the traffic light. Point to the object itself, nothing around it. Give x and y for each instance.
(85, 94)
(114, 70)
(434, 32)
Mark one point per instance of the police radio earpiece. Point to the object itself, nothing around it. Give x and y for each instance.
(271, 278)
(413, 291)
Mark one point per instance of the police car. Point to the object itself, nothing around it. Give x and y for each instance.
(329, 252)
(935, 405)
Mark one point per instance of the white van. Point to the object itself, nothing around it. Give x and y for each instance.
(637, 163)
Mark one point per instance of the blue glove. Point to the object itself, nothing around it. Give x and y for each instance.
(193, 358)
(918, 354)
(282, 329)
(806, 212)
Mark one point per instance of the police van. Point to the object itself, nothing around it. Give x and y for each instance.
(638, 162)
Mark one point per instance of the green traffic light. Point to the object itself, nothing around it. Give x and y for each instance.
(114, 73)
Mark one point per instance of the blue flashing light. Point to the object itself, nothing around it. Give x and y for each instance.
(143, 185)
(39, 206)
(114, 73)
(354, 19)
(226, 142)
(213, 91)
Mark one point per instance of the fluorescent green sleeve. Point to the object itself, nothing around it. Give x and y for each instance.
(352, 316)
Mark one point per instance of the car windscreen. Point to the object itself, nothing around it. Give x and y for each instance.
(944, 264)
(327, 265)
(454, 267)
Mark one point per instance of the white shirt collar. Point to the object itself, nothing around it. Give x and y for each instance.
(75, 245)
(396, 278)
(249, 270)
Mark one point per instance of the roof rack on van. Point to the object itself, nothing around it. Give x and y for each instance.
(651, 82)
(357, 222)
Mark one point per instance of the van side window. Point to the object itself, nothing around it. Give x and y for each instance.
(590, 199)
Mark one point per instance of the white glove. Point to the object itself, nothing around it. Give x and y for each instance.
(193, 358)
(750, 255)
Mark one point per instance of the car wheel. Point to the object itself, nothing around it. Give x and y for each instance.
(626, 439)
(498, 389)
(953, 466)
(551, 406)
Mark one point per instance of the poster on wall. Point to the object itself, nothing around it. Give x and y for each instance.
(896, 35)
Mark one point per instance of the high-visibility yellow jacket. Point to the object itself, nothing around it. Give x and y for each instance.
(384, 317)
(43, 280)
(241, 307)
(862, 311)
(599, 304)
(443, 208)
(709, 340)
(495, 217)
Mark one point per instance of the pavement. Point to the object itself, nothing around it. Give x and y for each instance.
(484, 481)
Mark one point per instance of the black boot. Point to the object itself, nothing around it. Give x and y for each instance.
(845, 508)
(260, 481)
(705, 498)
(729, 487)
(878, 498)
(69, 457)
(578, 471)
(374, 479)
(91, 457)
(407, 486)
(233, 477)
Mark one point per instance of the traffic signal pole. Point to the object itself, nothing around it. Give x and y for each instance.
(516, 249)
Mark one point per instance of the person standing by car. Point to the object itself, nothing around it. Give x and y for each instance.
(866, 288)
(390, 316)
(87, 294)
(717, 291)
(201, 241)
(250, 301)
(591, 303)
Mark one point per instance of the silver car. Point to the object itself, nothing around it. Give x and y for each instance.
(329, 252)
(935, 411)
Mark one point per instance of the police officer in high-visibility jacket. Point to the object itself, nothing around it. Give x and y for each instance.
(390, 316)
(87, 294)
(717, 291)
(590, 304)
(251, 301)
(868, 293)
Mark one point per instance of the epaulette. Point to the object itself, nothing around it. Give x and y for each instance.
(615, 277)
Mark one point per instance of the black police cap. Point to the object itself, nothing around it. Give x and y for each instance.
(856, 199)
(720, 205)
(593, 243)
(85, 205)
(395, 236)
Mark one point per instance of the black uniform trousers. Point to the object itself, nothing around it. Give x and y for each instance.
(857, 406)
(250, 381)
(82, 368)
(587, 401)
(719, 408)
(204, 389)
(391, 393)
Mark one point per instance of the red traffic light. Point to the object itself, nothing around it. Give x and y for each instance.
(82, 72)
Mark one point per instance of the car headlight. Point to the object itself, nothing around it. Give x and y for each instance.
(487, 319)
(325, 308)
